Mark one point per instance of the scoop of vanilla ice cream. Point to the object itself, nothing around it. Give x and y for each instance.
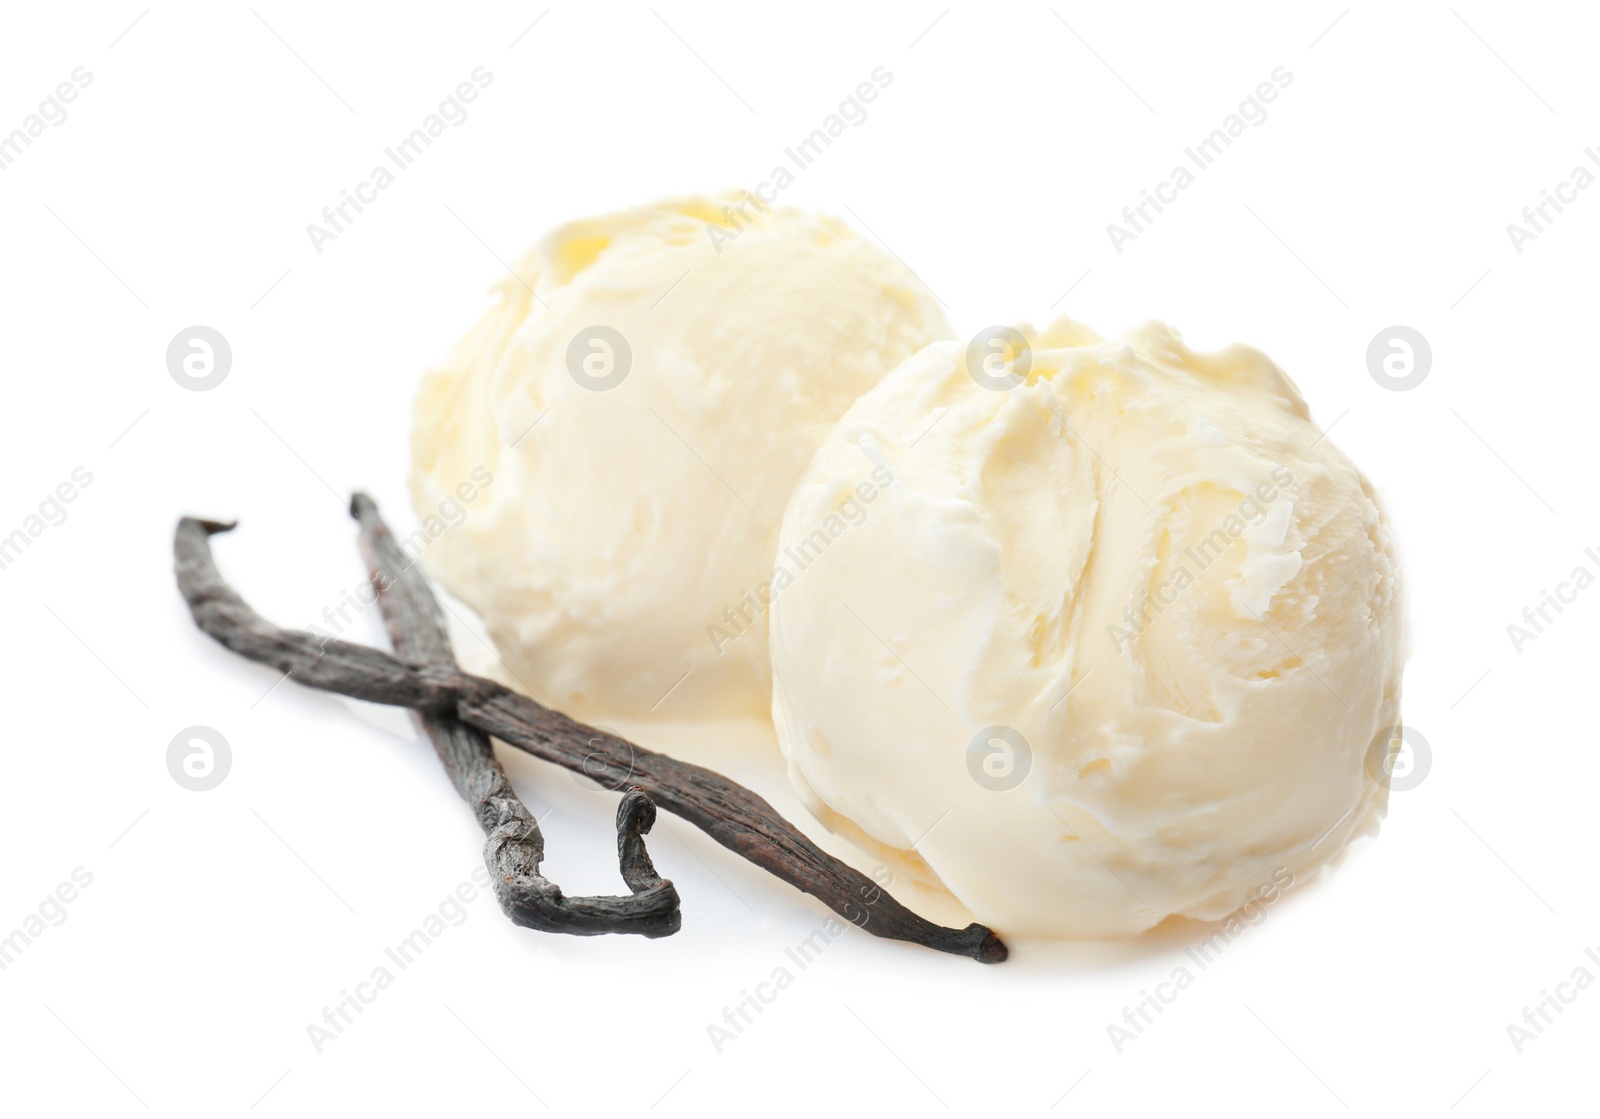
(641, 399)
(1109, 646)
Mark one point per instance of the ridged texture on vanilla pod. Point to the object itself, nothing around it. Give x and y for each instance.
(1195, 762)
(623, 525)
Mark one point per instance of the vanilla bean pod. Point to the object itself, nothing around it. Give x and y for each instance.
(731, 814)
(516, 846)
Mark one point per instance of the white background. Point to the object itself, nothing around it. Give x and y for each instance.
(219, 924)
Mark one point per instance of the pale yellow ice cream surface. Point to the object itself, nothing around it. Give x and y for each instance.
(1109, 646)
(643, 398)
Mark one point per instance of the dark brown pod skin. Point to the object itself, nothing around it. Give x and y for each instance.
(460, 712)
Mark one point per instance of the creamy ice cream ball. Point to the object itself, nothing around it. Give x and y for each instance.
(1106, 646)
(642, 398)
